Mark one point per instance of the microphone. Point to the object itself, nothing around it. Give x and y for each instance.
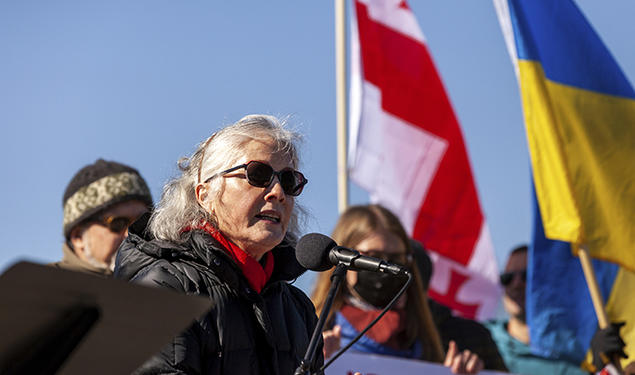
(318, 252)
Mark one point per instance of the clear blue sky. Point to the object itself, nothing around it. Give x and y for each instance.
(143, 81)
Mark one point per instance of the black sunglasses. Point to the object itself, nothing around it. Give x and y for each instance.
(117, 224)
(507, 277)
(260, 174)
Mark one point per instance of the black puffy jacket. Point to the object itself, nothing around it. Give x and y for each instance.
(245, 332)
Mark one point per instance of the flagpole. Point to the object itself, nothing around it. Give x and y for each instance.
(596, 296)
(340, 88)
(592, 283)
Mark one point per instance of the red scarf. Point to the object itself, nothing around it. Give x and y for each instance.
(390, 330)
(256, 275)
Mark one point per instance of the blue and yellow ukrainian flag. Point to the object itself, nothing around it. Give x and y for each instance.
(580, 119)
(579, 113)
(560, 312)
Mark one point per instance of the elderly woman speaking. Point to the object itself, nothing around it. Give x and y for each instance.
(224, 229)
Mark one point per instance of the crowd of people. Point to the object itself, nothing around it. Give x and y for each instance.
(226, 227)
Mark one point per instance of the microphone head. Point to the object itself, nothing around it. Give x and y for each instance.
(312, 251)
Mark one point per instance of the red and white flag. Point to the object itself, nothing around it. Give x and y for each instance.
(407, 151)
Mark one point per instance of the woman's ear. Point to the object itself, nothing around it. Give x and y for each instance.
(202, 197)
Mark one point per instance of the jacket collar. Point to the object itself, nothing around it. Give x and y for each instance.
(198, 246)
(207, 249)
(72, 262)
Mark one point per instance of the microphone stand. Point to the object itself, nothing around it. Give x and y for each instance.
(309, 357)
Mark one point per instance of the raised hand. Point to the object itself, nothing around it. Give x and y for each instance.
(464, 362)
(331, 341)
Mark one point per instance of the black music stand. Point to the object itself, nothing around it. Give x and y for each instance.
(59, 321)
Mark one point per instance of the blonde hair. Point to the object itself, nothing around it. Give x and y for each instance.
(358, 223)
(178, 207)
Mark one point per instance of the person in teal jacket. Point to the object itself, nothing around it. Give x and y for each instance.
(512, 336)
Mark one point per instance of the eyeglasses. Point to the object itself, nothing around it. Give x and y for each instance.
(260, 174)
(404, 259)
(117, 224)
(507, 277)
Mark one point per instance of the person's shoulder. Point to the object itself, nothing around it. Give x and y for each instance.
(297, 297)
(179, 273)
(70, 261)
(464, 325)
(161, 273)
(66, 265)
(57, 264)
(466, 331)
(297, 292)
(497, 330)
(494, 323)
(153, 263)
(286, 265)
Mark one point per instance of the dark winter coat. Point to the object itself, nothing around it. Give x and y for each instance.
(245, 332)
(467, 334)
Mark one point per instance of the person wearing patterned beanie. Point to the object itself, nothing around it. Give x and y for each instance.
(100, 202)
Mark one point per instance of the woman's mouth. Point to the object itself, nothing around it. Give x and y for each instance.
(269, 217)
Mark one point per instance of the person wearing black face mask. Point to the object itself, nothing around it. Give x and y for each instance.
(407, 330)
(377, 288)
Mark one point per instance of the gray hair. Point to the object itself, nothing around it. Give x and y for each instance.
(179, 209)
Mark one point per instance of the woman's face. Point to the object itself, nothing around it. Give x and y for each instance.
(384, 245)
(254, 218)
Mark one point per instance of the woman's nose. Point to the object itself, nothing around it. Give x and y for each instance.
(275, 190)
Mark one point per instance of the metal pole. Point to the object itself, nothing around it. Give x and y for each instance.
(340, 88)
(308, 362)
